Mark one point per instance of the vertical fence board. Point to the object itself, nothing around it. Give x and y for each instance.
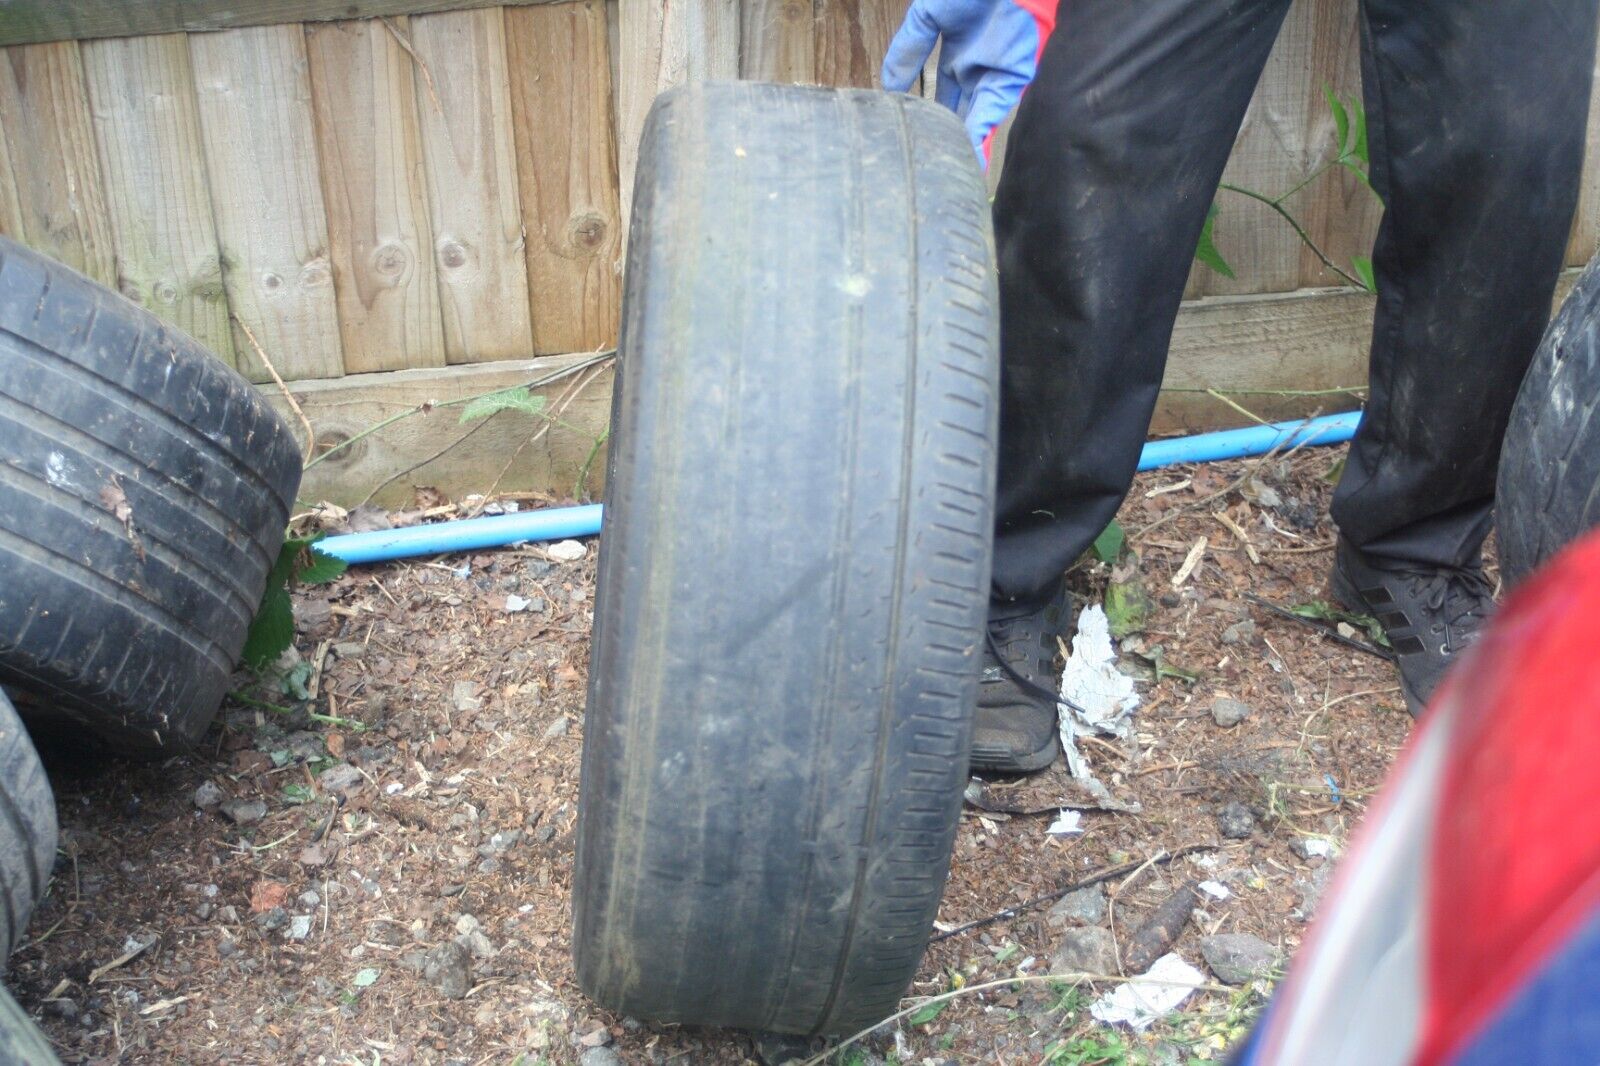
(55, 203)
(141, 94)
(364, 103)
(561, 102)
(255, 119)
(1339, 212)
(472, 185)
(778, 41)
(664, 45)
(851, 38)
(1274, 150)
(1585, 239)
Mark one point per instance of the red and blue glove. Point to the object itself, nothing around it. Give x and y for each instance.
(989, 54)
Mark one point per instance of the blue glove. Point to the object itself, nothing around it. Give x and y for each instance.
(989, 54)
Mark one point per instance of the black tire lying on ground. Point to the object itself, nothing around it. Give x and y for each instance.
(21, 1043)
(27, 830)
(1549, 484)
(144, 491)
(794, 572)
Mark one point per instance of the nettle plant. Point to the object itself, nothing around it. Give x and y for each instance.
(1350, 129)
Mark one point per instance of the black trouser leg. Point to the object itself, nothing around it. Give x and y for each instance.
(1476, 114)
(1113, 161)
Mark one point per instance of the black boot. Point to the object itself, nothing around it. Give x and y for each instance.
(1430, 615)
(1015, 729)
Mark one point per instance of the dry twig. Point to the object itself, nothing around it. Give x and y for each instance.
(294, 404)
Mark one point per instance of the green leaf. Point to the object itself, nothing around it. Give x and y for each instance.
(1006, 952)
(520, 398)
(1206, 250)
(296, 681)
(1341, 119)
(298, 793)
(1127, 606)
(1108, 545)
(1359, 171)
(1363, 267)
(319, 567)
(365, 978)
(928, 1013)
(273, 629)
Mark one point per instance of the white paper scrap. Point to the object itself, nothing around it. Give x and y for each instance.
(1096, 696)
(1152, 995)
(1316, 847)
(1066, 822)
(1215, 889)
(515, 603)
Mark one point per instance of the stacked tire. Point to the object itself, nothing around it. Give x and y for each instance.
(144, 492)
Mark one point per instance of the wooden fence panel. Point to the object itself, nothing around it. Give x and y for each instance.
(778, 41)
(1275, 149)
(1339, 212)
(255, 116)
(661, 46)
(370, 153)
(561, 104)
(54, 203)
(147, 130)
(852, 37)
(471, 169)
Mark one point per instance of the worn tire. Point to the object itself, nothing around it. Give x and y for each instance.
(127, 624)
(1549, 484)
(27, 830)
(21, 1043)
(794, 572)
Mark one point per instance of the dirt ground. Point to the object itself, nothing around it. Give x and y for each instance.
(279, 897)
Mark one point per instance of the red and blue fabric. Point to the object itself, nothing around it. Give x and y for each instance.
(1464, 925)
(988, 53)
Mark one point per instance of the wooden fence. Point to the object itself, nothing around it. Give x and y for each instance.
(403, 201)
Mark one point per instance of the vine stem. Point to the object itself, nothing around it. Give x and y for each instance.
(1299, 230)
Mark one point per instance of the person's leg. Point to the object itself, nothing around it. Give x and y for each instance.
(1476, 114)
(1110, 169)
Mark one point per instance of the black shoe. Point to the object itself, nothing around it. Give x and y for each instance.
(1429, 615)
(1015, 727)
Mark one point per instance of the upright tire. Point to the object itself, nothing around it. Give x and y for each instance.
(794, 572)
(27, 831)
(144, 490)
(1549, 484)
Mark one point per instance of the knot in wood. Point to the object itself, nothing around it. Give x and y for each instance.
(586, 231)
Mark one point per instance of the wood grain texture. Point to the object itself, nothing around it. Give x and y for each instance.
(1585, 240)
(261, 157)
(665, 44)
(778, 41)
(55, 203)
(370, 151)
(1310, 339)
(561, 105)
(469, 457)
(1274, 150)
(474, 200)
(852, 37)
(32, 21)
(1339, 211)
(147, 126)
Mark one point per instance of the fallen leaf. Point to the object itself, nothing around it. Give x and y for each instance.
(265, 895)
(335, 745)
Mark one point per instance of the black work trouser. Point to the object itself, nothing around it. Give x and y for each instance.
(1476, 113)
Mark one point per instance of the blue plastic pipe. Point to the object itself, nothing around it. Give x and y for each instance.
(1252, 440)
(464, 534)
(468, 534)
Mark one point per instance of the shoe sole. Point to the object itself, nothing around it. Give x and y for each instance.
(1350, 599)
(1009, 763)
